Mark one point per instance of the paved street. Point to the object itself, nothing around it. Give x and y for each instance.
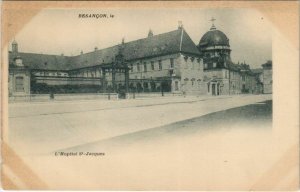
(258, 115)
(173, 143)
(50, 126)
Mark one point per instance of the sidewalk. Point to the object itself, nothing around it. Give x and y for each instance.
(73, 106)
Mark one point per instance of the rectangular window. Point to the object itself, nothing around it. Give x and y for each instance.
(159, 65)
(152, 65)
(19, 84)
(176, 85)
(205, 66)
(145, 66)
(138, 67)
(214, 65)
(171, 63)
(131, 67)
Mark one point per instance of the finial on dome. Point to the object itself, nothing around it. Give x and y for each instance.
(213, 27)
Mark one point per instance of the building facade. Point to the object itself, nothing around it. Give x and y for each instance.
(168, 62)
(267, 77)
(223, 77)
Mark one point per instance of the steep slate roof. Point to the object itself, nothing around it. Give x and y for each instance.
(41, 61)
(167, 43)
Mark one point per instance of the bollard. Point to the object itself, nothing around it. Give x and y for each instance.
(108, 96)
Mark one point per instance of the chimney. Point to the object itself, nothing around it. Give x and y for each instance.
(81, 52)
(14, 46)
(180, 25)
(150, 33)
(96, 48)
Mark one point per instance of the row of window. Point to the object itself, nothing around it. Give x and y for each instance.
(52, 74)
(206, 66)
(192, 81)
(152, 66)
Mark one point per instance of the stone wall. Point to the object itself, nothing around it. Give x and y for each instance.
(191, 73)
(20, 77)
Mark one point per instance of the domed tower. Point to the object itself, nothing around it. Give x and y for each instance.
(214, 48)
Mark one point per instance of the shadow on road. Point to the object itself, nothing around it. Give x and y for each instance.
(256, 116)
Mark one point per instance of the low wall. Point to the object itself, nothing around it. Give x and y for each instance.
(63, 97)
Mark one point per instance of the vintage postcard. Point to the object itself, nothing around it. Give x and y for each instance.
(150, 95)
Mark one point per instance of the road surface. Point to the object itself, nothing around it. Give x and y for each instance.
(50, 126)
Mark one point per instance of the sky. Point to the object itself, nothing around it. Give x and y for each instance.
(61, 31)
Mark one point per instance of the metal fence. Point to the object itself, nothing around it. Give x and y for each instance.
(63, 97)
(152, 95)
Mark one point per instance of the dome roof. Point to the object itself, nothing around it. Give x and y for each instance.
(214, 37)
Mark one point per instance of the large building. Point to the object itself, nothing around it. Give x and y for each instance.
(168, 62)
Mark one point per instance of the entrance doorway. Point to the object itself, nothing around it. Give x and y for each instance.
(213, 89)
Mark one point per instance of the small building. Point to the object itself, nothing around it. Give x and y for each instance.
(259, 80)
(19, 75)
(267, 77)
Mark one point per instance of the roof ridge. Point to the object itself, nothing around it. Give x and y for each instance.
(136, 40)
(44, 54)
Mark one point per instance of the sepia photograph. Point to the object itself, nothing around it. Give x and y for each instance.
(148, 96)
